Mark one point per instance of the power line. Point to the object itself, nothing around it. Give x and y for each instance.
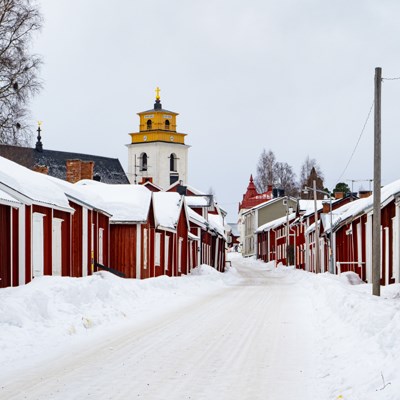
(391, 79)
(358, 141)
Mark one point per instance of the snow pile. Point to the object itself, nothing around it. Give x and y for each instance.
(53, 312)
(360, 335)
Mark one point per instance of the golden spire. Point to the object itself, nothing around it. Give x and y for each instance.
(158, 90)
(39, 123)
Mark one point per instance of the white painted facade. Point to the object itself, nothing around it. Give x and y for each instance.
(158, 162)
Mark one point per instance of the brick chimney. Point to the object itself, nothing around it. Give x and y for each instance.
(78, 169)
(326, 207)
(339, 195)
(73, 170)
(364, 193)
(43, 169)
(87, 169)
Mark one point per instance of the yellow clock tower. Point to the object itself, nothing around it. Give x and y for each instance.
(157, 153)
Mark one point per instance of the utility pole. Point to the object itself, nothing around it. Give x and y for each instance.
(376, 234)
(317, 266)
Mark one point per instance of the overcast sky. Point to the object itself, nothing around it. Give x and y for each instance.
(292, 76)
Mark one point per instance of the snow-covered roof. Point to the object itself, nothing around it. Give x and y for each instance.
(191, 188)
(191, 236)
(308, 208)
(275, 223)
(197, 218)
(360, 206)
(167, 208)
(32, 185)
(5, 198)
(197, 201)
(311, 228)
(126, 203)
(234, 228)
(216, 222)
(77, 193)
(268, 203)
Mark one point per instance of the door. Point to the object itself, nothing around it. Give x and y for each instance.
(57, 247)
(38, 244)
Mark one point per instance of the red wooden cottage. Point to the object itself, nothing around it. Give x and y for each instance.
(89, 230)
(41, 223)
(352, 234)
(130, 226)
(9, 211)
(273, 238)
(170, 235)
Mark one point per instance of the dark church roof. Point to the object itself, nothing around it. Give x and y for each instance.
(108, 169)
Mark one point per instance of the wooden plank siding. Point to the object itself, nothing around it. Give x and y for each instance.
(123, 248)
(5, 246)
(15, 246)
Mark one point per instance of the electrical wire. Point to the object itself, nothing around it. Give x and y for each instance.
(391, 79)
(358, 141)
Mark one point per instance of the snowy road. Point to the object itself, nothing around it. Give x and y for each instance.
(251, 340)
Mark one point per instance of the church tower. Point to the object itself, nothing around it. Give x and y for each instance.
(157, 153)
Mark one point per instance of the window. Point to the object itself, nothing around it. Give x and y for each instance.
(143, 162)
(149, 124)
(172, 162)
(167, 125)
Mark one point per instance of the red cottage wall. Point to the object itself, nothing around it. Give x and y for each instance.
(15, 246)
(5, 245)
(123, 249)
(387, 214)
(182, 232)
(76, 250)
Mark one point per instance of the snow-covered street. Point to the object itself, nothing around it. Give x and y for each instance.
(252, 333)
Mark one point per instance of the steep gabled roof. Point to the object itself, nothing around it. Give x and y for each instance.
(108, 169)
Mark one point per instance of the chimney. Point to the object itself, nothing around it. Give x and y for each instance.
(274, 193)
(73, 171)
(269, 188)
(339, 195)
(364, 193)
(43, 169)
(87, 169)
(326, 207)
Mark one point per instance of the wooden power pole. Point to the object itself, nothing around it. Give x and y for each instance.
(317, 262)
(376, 234)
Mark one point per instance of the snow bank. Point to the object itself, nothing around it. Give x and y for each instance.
(54, 312)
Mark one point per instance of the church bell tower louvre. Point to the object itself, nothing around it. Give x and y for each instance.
(157, 153)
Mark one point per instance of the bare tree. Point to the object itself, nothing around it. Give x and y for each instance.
(306, 168)
(286, 178)
(265, 171)
(19, 20)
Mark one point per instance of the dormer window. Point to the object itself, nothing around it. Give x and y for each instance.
(149, 124)
(143, 162)
(167, 125)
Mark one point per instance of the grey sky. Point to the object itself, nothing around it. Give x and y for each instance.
(295, 77)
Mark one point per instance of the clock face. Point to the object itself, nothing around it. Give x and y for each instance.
(171, 138)
(144, 138)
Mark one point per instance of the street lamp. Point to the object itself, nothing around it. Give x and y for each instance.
(315, 190)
